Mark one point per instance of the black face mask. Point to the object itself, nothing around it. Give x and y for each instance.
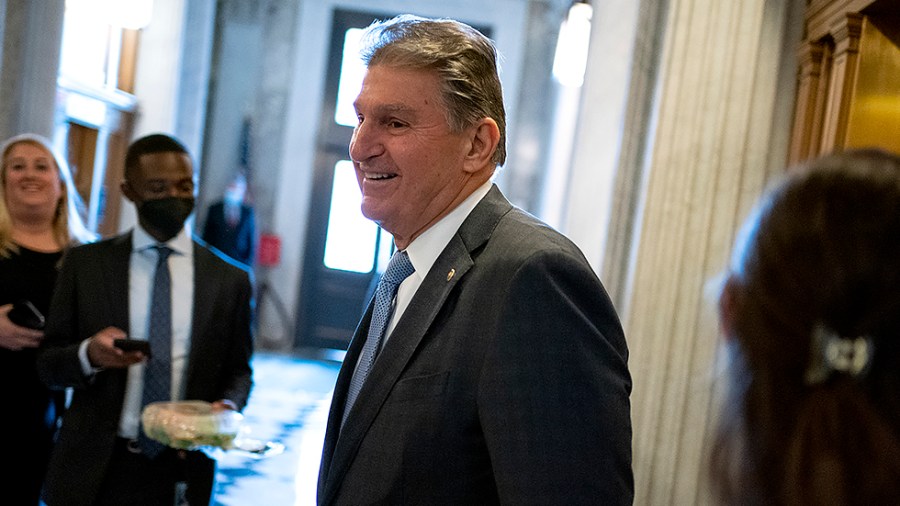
(165, 216)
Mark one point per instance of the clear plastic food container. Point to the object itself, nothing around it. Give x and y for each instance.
(188, 425)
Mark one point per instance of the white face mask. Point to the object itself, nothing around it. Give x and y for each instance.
(234, 197)
(234, 194)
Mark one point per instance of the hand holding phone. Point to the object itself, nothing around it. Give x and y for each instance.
(24, 314)
(133, 345)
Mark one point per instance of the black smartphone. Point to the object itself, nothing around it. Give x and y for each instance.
(24, 314)
(133, 345)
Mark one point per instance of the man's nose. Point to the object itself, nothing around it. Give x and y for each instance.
(365, 143)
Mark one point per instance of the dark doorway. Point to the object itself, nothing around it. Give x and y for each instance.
(342, 247)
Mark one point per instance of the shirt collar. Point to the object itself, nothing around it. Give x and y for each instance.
(425, 249)
(180, 244)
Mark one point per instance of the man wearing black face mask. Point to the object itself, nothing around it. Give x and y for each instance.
(200, 349)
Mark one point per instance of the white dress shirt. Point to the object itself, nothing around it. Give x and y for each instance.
(424, 250)
(142, 267)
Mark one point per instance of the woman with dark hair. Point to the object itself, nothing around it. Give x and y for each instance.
(811, 313)
(38, 221)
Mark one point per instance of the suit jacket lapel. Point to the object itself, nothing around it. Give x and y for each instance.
(346, 373)
(115, 269)
(113, 266)
(405, 338)
(200, 314)
(339, 398)
(206, 285)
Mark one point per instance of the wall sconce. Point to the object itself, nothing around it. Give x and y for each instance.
(570, 59)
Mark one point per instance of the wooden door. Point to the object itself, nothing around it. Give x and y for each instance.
(848, 94)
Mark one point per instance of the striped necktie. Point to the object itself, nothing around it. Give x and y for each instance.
(158, 369)
(398, 269)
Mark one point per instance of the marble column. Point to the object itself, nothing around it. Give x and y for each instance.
(707, 121)
(31, 39)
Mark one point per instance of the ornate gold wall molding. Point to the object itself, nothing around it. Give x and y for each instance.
(847, 92)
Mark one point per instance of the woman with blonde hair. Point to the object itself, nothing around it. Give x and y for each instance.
(811, 313)
(39, 220)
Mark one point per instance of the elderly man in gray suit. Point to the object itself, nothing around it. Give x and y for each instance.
(490, 367)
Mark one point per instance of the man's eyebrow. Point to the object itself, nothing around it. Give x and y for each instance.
(388, 109)
(162, 180)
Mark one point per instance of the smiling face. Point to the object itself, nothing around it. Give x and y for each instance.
(31, 181)
(411, 168)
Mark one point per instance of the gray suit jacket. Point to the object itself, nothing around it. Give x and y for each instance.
(92, 294)
(503, 383)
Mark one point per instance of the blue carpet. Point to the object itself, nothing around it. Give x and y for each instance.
(287, 391)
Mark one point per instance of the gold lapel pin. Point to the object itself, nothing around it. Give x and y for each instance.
(450, 274)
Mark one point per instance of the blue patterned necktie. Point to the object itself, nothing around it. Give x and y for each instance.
(398, 269)
(158, 369)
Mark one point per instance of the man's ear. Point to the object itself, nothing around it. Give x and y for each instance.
(728, 307)
(483, 142)
(129, 192)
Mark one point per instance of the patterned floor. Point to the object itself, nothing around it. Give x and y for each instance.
(289, 404)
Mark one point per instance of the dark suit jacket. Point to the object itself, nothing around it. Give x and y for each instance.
(92, 294)
(504, 382)
(238, 241)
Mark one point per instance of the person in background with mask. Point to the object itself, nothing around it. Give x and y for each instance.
(230, 224)
(200, 343)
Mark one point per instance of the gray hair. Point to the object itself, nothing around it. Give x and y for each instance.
(464, 59)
